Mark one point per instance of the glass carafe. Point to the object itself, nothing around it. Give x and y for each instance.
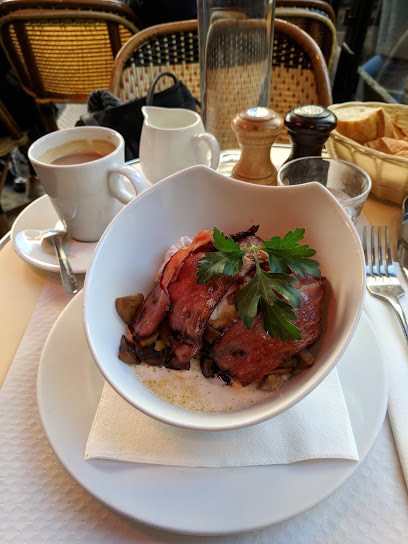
(236, 43)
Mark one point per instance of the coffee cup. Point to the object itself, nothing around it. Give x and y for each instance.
(173, 139)
(82, 170)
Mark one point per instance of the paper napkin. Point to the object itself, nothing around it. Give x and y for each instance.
(317, 427)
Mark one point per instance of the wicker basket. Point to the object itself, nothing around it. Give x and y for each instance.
(389, 174)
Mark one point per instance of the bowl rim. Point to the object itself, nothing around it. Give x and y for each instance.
(234, 419)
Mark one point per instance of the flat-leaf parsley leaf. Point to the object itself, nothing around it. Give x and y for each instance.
(227, 260)
(286, 256)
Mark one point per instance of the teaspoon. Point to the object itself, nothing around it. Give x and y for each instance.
(68, 277)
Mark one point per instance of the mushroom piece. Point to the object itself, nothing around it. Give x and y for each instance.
(127, 306)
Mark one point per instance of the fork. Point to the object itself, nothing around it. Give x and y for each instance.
(382, 281)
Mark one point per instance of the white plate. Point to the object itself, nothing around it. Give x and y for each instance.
(197, 500)
(26, 241)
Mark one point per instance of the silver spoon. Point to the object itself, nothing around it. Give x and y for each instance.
(69, 281)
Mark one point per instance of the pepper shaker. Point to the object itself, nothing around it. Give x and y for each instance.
(309, 127)
(256, 129)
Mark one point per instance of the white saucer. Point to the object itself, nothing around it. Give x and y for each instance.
(206, 501)
(26, 239)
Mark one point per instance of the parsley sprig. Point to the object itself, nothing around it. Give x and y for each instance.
(285, 256)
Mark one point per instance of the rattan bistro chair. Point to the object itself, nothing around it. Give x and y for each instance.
(61, 51)
(168, 47)
(321, 6)
(299, 71)
(314, 21)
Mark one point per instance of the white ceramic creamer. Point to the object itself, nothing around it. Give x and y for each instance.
(174, 139)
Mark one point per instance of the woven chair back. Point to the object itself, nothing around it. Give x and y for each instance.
(315, 22)
(299, 72)
(321, 6)
(61, 51)
(170, 47)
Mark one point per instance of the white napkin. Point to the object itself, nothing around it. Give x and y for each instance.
(317, 427)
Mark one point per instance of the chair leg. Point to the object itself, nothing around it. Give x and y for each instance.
(4, 224)
(33, 187)
(3, 176)
(48, 117)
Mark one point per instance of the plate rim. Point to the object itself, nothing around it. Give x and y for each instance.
(73, 311)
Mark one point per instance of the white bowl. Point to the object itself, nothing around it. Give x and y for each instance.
(132, 248)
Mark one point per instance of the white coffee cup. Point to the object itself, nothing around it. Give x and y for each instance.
(173, 139)
(81, 170)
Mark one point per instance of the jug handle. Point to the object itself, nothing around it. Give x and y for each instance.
(116, 184)
(212, 143)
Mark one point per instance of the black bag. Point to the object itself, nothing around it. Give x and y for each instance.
(127, 118)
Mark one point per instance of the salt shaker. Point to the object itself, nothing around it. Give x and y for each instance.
(256, 129)
(309, 127)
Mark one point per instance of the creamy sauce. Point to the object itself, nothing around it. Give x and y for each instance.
(192, 391)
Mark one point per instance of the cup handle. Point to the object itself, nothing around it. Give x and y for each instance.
(117, 187)
(212, 143)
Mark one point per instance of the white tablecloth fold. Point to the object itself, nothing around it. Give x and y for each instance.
(395, 352)
(317, 427)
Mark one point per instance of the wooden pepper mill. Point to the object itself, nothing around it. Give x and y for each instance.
(256, 129)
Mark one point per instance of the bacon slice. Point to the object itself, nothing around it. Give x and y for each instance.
(154, 308)
(247, 355)
(193, 304)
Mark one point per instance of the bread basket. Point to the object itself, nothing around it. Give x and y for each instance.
(388, 173)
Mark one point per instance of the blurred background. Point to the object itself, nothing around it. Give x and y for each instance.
(369, 63)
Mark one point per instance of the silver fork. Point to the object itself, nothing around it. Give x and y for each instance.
(382, 281)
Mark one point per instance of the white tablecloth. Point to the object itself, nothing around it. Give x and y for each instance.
(41, 503)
